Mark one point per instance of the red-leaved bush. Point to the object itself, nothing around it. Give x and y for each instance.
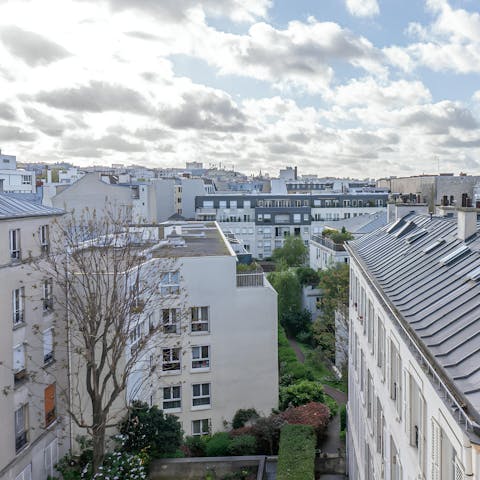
(315, 414)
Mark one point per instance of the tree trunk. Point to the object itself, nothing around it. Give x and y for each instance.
(98, 437)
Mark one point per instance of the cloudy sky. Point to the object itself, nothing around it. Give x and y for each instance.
(338, 87)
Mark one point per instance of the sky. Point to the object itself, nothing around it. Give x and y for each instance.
(359, 88)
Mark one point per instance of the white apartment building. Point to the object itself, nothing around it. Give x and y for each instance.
(15, 180)
(211, 333)
(31, 373)
(263, 221)
(414, 350)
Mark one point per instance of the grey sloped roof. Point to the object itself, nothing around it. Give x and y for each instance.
(361, 224)
(437, 299)
(13, 207)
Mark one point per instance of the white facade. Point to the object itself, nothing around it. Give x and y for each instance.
(32, 379)
(217, 347)
(404, 420)
(324, 253)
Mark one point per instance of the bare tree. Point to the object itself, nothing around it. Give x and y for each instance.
(106, 282)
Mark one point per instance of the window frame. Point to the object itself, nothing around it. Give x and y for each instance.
(199, 321)
(199, 400)
(173, 352)
(172, 399)
(203, 361)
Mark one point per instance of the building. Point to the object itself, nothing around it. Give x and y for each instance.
(15, 180)
(213, 349)
(32, 373)
(414, 350)
(263, 221)
(443, 189)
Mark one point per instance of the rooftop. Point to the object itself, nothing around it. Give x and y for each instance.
(429, 279)
(14, 207)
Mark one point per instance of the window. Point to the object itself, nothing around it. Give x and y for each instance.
(19, 370)
(370, 395)
(44, 238)
(50, 412)
(370, 324)
(381, 347)
(395, 467)
(170, 320)
(208, 204)
(380, 426)
(201, 427)
(200, 319)
(233, 204)
(362, 371)
(172, 397)
(170, 359)
(47, 295)
(18, 297)
(21, 434)
(297, 218)
(136, 334)
(201, 395)
(395, 377)
(417, 420)
(25, 474)
(26, 179)
(170, 283)
(48, 345)
(201, 357)
(15, 244)
(222, 204)
(51, 458)
(246, 204)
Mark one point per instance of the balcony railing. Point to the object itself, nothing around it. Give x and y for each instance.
(255, 279)
(328, 243)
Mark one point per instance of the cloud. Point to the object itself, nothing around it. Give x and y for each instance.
(205, 109)
(45, 123)
(178, 10)
(363, 8)
(300, 55)
(32, 48)
(107, 142)
(438, 118)
(7, 112)
(96, 97)
(15, 134)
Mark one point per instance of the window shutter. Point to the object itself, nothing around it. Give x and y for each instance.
(435, 451)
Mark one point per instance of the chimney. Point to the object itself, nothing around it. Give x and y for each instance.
(466, 222)
(1, 185)
(295, 173)
(391, 212)
(49, 176)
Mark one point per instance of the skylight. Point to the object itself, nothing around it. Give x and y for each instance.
(395, 225)
(415, 236)
(474, 274)
(406, 228)
(433, 245)
(455, 255)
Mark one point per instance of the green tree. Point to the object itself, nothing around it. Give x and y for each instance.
(293, 252)
(296, 321)
(301, 393)
(334, 283)
(148, 427)
(289, 291)
(307, 276)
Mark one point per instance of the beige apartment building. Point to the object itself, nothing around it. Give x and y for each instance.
(32, 424)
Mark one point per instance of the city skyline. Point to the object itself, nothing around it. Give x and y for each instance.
(356, 88)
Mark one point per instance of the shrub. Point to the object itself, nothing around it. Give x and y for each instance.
(296, 456)
(343, 417)
(217, 445)
(123, 465)
(316, 415)
(242, 416)
(331, 404)
(301, 393)
(267, 434)
(196, 446)
(147, 427)
(242, 445)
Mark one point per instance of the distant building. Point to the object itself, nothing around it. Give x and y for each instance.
(263, 221)
(13, 179)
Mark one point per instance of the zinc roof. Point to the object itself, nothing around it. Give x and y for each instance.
(13, 207)
(433, 291)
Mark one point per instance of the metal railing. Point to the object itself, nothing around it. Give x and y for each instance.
(328, 243)
(255, 279)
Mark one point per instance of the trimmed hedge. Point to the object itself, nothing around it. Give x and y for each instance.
(296, 456)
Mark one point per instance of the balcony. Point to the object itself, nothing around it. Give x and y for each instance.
(256, 279)
(328, 243)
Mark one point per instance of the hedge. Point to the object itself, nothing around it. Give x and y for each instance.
(296, 456)
(291, 370)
